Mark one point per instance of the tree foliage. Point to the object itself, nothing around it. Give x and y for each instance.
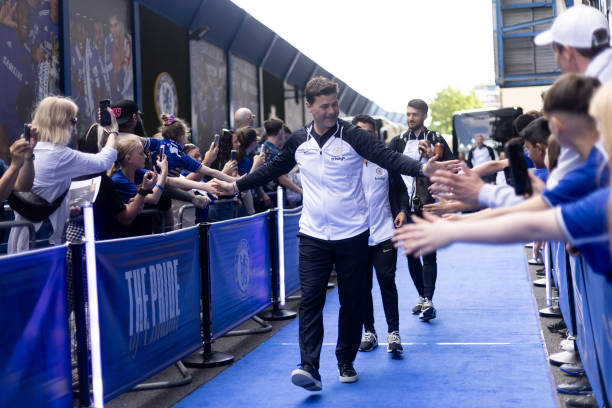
(447, 101)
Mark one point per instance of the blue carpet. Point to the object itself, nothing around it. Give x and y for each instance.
(483, 350)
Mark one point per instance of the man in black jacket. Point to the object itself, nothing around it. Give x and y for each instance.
(417, 143)
(480, 154)
(334, 226)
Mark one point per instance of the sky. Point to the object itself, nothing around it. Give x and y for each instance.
(390, 51)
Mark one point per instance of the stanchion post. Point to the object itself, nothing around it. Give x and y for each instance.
(550, 310)
(83, 368)
(275, 259)
(208, 357)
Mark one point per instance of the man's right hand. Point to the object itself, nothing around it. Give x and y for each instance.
(432, 165)
(223, 187)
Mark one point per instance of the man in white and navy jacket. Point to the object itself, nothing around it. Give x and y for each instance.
(334, 225)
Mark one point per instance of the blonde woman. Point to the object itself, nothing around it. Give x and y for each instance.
(584, 223)
(55, 164)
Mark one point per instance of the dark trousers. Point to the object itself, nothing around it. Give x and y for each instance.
(317, 258)
(382, 258)
(424, 274)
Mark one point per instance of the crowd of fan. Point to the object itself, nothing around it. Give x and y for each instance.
(140, 177)
(570, 146)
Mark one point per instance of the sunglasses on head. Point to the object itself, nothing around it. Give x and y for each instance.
(73, 121)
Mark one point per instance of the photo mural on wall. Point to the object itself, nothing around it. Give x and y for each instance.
(244, 87)
(101, 55)
(208, 91)
(29, 68)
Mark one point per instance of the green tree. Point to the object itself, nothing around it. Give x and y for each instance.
(447, 101)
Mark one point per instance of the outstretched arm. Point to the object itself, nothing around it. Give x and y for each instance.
(426, 235)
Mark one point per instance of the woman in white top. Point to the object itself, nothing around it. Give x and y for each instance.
(56, 164)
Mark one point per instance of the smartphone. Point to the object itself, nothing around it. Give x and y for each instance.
(233, 155)
(105, 118)
(162, 152)
(518, 168)
(216, 142)
(26, 132)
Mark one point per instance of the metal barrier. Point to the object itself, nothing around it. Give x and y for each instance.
(10, 224)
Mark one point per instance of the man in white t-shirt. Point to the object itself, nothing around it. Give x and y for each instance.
(480, 154)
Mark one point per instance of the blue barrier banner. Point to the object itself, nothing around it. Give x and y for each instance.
(149, 297)
(35, 353)
(584, 330)
(291, 223)
(599, 293)
(561, 268)
(239, 256)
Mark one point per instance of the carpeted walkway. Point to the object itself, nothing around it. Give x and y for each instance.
(483, 350)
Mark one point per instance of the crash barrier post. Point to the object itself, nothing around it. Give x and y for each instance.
(35, 368)
(156, 278)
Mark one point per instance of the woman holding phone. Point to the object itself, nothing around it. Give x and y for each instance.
(56, 164)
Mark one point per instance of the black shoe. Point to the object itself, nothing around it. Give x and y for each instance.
(428, 312)
(369, 341)
(557, 327)
(307, 377)
(573, 369)
(580, 386)
(394, 343)
(586, 401)
(347, 373)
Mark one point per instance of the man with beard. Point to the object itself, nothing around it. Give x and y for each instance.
(417, 143)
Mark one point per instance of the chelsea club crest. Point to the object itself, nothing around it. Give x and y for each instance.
(242, 268)
(165, 95)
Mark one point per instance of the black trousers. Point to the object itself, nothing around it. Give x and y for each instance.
(424, 274)
(317, 258)
(382, 258)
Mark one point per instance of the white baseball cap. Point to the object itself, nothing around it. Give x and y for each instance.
(575, 27)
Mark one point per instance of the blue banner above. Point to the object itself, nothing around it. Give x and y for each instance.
(239, 256)
(35, 354)
(149, 296)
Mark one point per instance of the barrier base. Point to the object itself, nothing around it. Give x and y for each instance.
(265, 328)
(564, 357)
(550, 311)
(331, 285)
(208, 360)
(167, 384)
(534, 261)
(277, 314)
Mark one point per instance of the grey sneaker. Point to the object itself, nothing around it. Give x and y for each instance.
(417, 308)
(428, 311)
(394, 343)
(369, 341)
